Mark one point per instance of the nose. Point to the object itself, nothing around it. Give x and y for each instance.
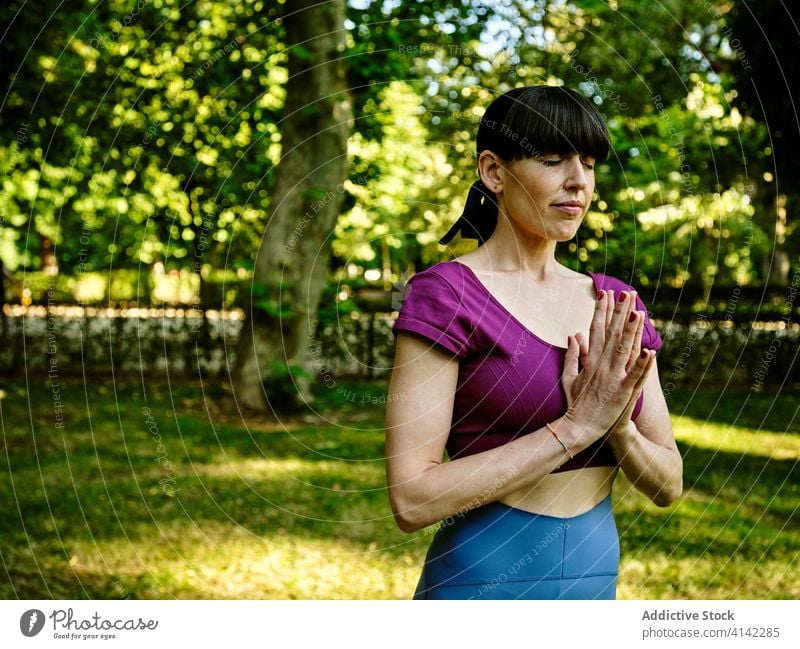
(578, 176)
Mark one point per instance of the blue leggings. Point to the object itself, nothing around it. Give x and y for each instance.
(501, 552)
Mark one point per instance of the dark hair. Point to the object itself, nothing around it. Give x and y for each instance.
(524, 123)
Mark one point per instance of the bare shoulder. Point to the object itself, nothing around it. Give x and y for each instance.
(572, 283)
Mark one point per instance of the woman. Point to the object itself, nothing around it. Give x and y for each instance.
(540, 382)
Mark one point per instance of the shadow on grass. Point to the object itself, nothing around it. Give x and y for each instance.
(97, 482)
(734, 505)
(755, 411)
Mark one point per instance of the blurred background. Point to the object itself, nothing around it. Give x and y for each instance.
(209, 209)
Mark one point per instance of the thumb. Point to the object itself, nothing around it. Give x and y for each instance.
(570, 371)
(583, 350)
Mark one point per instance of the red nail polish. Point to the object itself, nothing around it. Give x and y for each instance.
(600, 295)
(643, 354)
(622, 297)
(632, 316)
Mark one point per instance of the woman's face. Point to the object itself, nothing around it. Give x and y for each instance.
(547, 196)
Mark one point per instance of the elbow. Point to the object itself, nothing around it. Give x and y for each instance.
(404, 512)
(406, 525)
(672, 489)
(667, 498)
(669, 494)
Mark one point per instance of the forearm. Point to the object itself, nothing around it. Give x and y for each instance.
(453, 488)
(654, 470)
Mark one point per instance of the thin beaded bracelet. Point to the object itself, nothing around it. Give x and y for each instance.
(558, 439)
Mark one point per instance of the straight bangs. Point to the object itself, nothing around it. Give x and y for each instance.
(544, 120)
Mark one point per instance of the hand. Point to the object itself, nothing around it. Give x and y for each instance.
(614, 366)
(625, 418)
(578, 350)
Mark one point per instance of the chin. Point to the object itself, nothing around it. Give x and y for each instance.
(565, 236)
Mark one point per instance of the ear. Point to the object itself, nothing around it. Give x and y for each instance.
(490, 168)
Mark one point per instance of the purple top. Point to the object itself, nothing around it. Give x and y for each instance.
(509, 379)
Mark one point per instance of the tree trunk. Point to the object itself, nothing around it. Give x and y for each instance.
(295, 249)
(778, 263)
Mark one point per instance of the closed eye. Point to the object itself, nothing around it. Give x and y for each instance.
(552, 162)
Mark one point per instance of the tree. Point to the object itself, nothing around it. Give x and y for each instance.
(294, 254)
(762, 37)
(149, 130)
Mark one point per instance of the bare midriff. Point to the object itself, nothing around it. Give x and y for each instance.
(565, 494)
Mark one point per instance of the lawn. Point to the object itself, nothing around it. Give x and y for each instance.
(113, 491)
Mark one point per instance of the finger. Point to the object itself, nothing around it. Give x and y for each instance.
(569, 375)
(631, 331)
(632, 303)
(637, 387)
(618, 320)
(597, 328)
(610, 302)
(637, 341)
(570, 369)
(622, 340)
(635, 319)
(583, 353)
(645, 372)
(640, 370)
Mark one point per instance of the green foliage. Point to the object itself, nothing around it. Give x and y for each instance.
(677, 140)
(43, 288)
(395, 188)
(272, 298)
(144, 135)
(153, 137)
(112, 287)
(708, 351)
(219, 289)
(224, 289)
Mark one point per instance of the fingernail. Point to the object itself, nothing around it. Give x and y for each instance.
(622, 297)
(600, 295)
(632, 316)
(643, 354)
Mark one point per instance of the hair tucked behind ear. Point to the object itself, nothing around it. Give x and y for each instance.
(524, 123)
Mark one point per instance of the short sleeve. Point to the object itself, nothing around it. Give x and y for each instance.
(431, 308)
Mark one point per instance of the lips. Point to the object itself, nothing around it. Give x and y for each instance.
(573, 208)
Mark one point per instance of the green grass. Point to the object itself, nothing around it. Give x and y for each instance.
(735, 532)
(297, 508)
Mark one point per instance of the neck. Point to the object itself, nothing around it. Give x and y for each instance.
(509, 249)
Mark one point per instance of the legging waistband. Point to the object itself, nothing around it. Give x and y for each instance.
(497, 548)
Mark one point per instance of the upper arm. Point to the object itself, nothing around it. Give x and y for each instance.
(419, 408)
(653, 420)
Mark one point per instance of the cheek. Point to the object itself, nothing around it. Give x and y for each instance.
(535, 187)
